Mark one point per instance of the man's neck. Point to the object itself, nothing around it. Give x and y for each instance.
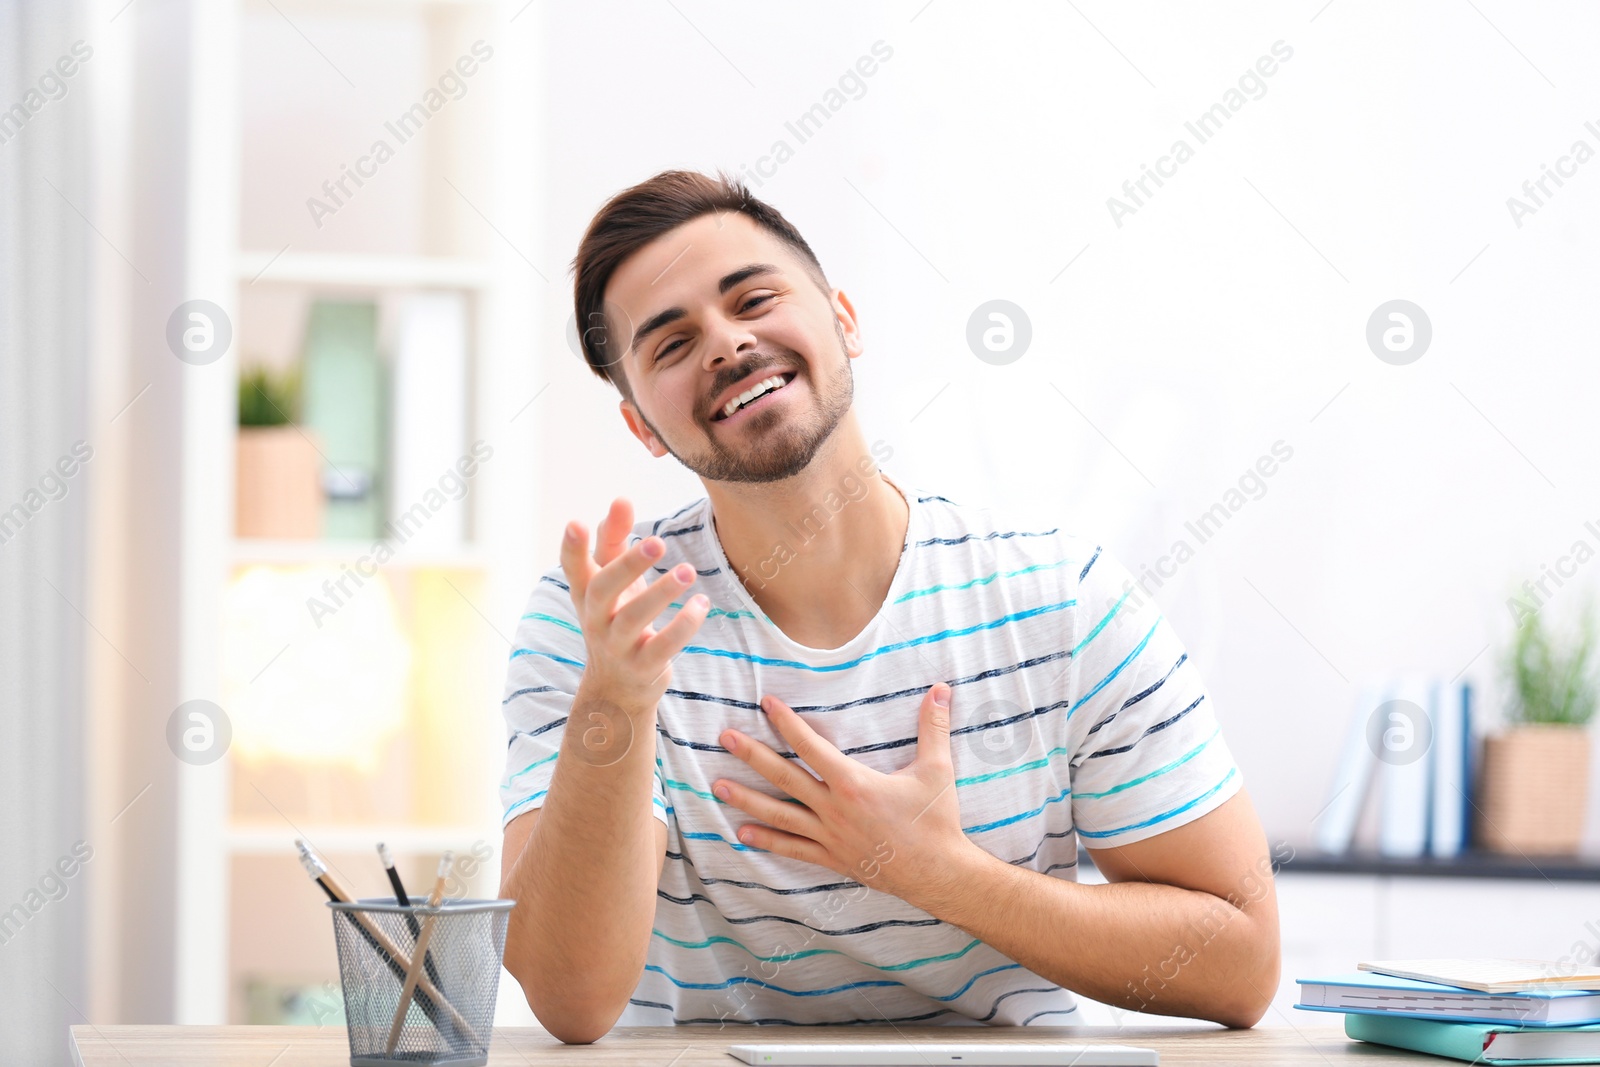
(817, 551)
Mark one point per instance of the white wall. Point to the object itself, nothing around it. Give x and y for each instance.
(49, 441)
(1226, 314)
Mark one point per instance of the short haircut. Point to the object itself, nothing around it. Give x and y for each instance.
(638, 215)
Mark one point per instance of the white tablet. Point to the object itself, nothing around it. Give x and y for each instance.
(1051, 1054)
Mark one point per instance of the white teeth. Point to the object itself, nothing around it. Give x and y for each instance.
(750, 394)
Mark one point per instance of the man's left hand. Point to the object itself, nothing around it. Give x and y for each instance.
(898, 833)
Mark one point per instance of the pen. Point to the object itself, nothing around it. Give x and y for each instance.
(403, 898)
(400, 896)
(414, 972)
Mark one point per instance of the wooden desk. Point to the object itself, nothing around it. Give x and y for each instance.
(687, 1046)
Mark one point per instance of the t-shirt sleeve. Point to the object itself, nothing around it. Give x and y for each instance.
(541, 682)
(1147, 752)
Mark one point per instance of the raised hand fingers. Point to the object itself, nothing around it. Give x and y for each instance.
(575, 561)
(611, 539)
(639, 612)
(627, 662)
(607, 586)
(671, 638)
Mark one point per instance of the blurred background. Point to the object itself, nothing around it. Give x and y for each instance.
(292, 414)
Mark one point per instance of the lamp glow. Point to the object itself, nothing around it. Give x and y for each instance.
(330, 691)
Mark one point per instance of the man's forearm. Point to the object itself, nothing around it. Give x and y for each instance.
(585, 884)
(1135, 945)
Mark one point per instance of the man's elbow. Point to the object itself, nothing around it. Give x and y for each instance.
(571, 1022)
(569, 1035)
(575, 1026)
(1243, 1016)
(1251, 991)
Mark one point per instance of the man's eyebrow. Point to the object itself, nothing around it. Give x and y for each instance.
(671, 315)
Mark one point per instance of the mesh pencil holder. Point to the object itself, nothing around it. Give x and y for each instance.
(450, 1015)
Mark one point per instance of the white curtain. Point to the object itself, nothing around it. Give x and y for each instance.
(44, 316)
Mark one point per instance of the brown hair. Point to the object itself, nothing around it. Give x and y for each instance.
(638, 215)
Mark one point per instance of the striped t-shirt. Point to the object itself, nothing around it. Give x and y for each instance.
(1074, 712)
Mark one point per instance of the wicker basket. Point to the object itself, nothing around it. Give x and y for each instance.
(1534, 788)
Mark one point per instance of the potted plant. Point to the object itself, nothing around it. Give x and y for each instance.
(1535, 773)
(277, 486)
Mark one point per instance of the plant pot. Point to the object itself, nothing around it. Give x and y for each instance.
(1534, 788)
(278, 484)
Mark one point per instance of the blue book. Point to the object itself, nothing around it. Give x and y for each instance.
(1447, 829)
(1369, 993)
(1479, 1042)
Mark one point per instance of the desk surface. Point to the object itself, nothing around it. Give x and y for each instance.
(687, 1046)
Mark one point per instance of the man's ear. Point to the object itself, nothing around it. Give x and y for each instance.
(637, 427)
(844, 314)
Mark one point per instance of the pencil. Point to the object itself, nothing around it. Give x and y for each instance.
(392, 954)
(414, 972)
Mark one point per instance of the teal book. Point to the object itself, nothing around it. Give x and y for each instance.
(345, 388)
(1480, 1042)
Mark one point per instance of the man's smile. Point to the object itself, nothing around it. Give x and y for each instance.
(764, 399)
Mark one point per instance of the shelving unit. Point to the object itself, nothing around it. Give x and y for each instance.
(239, 888)
(246, 550)
(365, 272)
(400, 837)
(1469, 864)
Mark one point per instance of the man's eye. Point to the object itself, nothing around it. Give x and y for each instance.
(746, 306)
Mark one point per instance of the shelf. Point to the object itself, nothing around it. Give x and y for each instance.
(1474, 864)
(1306, 860)
(248, 551)
(324, 6)
(364, 272)
(270, 839)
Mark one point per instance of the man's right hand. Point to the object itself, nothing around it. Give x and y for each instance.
(579, 936)
(629, 661)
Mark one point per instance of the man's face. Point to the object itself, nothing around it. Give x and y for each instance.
(702, 314)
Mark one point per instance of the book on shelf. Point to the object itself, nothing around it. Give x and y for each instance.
(430, 471)
(1451, 816)
(345, 403)
(1336, 824)
(1403, 742)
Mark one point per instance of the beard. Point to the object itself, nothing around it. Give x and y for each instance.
(776, 444)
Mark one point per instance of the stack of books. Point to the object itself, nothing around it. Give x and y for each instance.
(1500, 1011)
(1410, 744)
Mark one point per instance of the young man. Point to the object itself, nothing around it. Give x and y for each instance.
(820, 746)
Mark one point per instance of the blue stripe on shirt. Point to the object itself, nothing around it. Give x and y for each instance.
(1154, 819)
(740, 979)
(784, 957)
(768, 661)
